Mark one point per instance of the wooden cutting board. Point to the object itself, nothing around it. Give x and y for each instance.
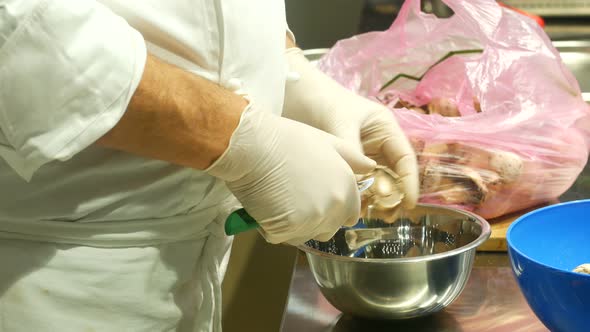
(497, 240)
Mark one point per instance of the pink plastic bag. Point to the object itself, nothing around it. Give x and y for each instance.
(497, 129)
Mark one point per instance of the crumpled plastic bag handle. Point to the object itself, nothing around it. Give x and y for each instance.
(482, 16)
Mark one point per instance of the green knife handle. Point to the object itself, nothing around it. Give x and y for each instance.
(239, 221)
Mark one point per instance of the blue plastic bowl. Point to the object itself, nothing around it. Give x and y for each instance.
(544, 247)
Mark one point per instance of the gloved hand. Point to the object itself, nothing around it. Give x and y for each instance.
(319, 101)
(296, 181)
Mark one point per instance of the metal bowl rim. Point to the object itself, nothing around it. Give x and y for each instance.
(485, 234)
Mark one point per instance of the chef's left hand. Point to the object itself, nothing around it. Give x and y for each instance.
(317, 100)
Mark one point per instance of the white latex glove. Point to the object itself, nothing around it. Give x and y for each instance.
(296, 181)
(316, 99)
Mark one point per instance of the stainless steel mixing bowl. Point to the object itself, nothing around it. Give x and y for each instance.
(418, 273)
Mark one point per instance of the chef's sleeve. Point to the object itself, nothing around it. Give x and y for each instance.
(68, 69)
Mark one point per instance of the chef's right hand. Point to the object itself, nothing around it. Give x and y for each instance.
(298, 182)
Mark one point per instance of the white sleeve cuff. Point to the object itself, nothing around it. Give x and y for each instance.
(291, 34)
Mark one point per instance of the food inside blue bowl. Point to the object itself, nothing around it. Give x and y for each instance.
(584, 268)
(545, 246)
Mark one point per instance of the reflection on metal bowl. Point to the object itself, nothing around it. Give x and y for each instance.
(418, 272)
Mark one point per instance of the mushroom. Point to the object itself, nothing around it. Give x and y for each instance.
(404, 104)
(476, 105)
(482, 188)
(475, 185)
(507, 164)
(432, 178)
(492, 180)
(584, 268)
(436, 152)
(418, 145)
(457, 194)
(454, 184)
(444, 107)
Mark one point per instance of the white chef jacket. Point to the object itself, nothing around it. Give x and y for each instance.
(93, 239)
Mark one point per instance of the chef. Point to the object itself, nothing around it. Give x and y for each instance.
(130, 129)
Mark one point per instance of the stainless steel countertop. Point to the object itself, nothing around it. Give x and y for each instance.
(491, 301)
